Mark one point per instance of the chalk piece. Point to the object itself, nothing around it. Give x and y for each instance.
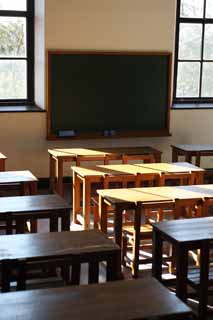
(66, 133)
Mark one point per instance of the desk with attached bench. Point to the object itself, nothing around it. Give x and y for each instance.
(59, 156)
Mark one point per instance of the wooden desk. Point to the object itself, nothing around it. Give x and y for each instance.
(135, 153)
(126, 300)
(3, 159)
(58, 249)
(191, 150)
(178, 167)
(26, 180)
(139, 198)
(21, 209)
(104, 174)
(59, 156)
(185, 235)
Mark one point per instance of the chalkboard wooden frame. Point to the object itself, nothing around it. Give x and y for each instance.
(92, 135)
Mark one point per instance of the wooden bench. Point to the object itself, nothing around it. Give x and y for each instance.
(126, 300)
(16, 211)
(58, 249)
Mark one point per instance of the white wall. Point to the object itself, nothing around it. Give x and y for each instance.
(97, 24)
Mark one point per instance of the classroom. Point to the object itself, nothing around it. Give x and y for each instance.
(106, 192)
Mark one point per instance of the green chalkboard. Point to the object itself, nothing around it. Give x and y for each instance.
(108, 93)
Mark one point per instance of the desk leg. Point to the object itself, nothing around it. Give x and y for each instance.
(2, 165)
(76, 196)
(114, 267)
(86, 204)
(60, 177)
(6, 275)
(21, 282)
(118, 224)
(157, 157)
(157, 248)
(65, 221)
(204, 275)
(197, 159)
(33, 188)
(174, 155)
(24, 189)
(102, 209)
(76, 271)
(200, 177)
(52, 173)
(93, 272)
(181, 271)
(136, 241)
(20, 226)
(53, 223)
(188, 157)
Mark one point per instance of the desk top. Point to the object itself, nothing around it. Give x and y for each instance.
(16, 176)
(32, 203)
(54, 244)
(131, 150)
(118, 151)
(128, 169)
(131, 195)
(116, 300)
(187, 230)
(2, 156)
(194, 147)
(176, 167)
(113, 170)
(156, 194)
(74, 152)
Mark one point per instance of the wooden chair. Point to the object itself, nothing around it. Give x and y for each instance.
(147, 158)
(163, 211)
(180, 208)
(176, 179)
(129, 244)
(138, 181)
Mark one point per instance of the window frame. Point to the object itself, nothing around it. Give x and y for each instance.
(29, 15)
(204, 21)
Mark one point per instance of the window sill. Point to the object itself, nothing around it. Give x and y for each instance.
(187, 106)
(26, 108)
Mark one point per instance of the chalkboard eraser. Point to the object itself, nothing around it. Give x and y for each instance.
(66, 133)
(109, 133)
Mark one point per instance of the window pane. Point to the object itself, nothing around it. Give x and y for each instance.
(13, 79)
(188, 79)
(192, 8)
(208, 42)
(13, 37)
(20, 5)
(207, 80)
(190, 41)
(209, 9)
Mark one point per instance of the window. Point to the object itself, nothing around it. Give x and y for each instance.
(16, 52)
(193, 76)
